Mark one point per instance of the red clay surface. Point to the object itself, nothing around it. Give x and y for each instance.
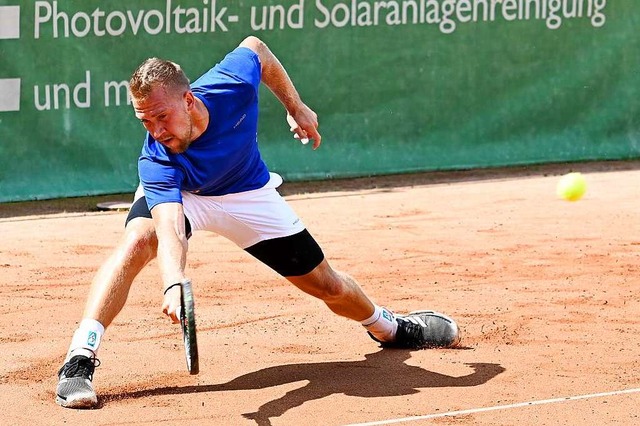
(545, 292)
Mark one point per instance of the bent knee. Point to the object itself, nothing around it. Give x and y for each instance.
(140, 238)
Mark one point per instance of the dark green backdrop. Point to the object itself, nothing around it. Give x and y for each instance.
(391, 98)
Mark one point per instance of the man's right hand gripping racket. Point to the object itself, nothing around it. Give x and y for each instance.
(188, 323)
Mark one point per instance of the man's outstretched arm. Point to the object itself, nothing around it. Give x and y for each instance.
(168, 219)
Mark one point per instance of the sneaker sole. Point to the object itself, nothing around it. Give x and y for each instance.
(456, 339)
(82, 402)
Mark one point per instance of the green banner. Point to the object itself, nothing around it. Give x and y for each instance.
(399, 85)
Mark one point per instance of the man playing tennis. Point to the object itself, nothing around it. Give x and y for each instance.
(200, 169)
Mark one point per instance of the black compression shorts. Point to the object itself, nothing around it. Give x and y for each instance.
(291, 256)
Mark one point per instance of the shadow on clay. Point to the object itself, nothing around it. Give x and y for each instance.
(380, 374)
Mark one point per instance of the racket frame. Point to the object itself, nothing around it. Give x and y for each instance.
(188, 324)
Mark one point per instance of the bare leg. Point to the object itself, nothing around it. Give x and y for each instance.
(111, 284)
(107, 296)
(339, 291)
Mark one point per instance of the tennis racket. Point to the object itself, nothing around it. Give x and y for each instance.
(188, 323)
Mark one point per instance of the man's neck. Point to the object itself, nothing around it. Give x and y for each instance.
(200, 118)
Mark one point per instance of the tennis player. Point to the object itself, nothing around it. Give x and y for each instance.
(200, 169)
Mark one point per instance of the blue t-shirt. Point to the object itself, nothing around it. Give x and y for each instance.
(225, 159)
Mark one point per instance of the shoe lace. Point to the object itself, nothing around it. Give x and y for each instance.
(80, 366)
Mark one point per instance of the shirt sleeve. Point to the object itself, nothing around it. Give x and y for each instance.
(244, 64)
(161, 182)
(241, 67)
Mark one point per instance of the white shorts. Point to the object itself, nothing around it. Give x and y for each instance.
(246, 218)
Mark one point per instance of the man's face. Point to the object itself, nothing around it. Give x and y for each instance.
(166, 117)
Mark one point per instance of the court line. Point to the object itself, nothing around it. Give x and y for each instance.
(496, 407)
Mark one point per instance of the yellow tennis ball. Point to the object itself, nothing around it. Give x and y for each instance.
(571, 187)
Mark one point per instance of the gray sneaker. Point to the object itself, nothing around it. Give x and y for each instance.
(74, 383)
(424, 329)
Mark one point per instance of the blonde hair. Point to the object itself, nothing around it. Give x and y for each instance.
(155, 72)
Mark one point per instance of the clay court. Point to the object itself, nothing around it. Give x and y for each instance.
(545, 292)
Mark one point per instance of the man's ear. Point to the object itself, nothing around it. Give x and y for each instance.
(189, 99)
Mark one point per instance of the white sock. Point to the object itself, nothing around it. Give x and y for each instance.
(86, 339)
(382, 324)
